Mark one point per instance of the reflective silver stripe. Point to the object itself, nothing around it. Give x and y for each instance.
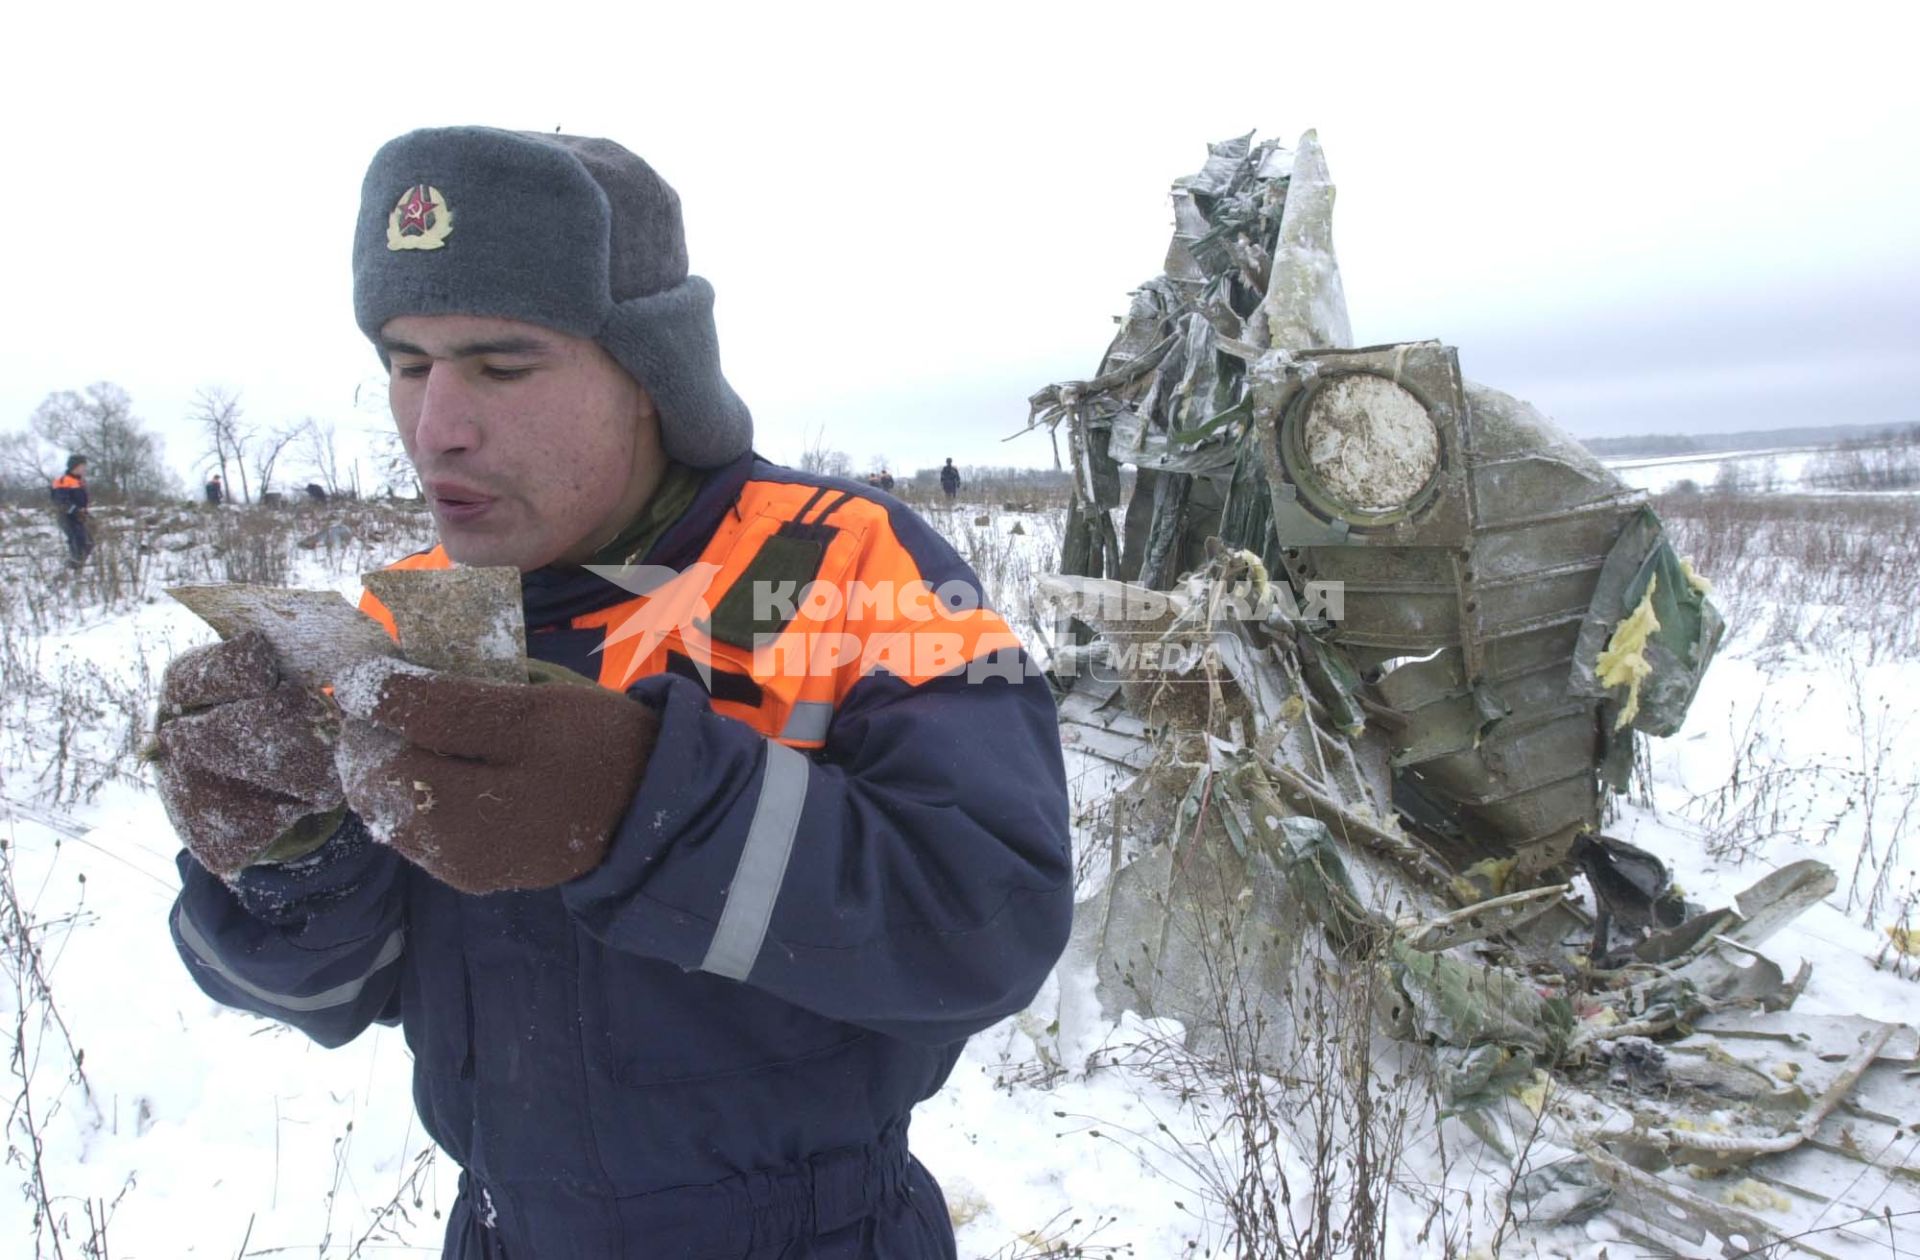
(808, 721)
(763, 866)
(338, 995)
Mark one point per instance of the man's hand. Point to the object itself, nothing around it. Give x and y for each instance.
(490, 786)
(242, 755)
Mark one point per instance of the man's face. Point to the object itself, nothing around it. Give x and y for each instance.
(532, 446)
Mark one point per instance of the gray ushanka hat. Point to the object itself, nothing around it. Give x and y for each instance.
(572, 233)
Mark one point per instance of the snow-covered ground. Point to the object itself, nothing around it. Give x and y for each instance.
(191, 1130)
(1660, 474)
(1787, 469)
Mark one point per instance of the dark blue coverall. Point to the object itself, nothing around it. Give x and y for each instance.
(69, 493)
(605, 1095)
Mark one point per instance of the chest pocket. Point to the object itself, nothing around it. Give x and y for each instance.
(765, 599)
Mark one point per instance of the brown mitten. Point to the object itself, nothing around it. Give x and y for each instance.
(490, 786)
(243, 757)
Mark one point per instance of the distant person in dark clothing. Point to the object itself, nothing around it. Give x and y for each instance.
(216, 492)
(317, 493)
(70, 500)
(950, 479)
(886, 481)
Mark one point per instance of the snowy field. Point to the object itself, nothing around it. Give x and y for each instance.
(1784, 468)
(1824, 469)
(148, 1122)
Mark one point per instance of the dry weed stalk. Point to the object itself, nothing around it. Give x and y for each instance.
(1773, 792)
(73, 724)
(1063, 1239)
(39, 1030)
(1817, 572)
(1305, 1109)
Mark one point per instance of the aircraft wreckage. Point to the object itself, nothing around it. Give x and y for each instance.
(1374, 644)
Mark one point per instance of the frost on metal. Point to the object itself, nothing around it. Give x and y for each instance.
(465, 621)
(1305, 305)
(461, 621)
(1370, 442)
(1375, 643)
(315, 634)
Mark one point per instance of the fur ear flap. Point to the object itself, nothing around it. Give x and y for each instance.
(667, 341)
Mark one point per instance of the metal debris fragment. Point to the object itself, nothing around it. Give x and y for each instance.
(1375, 643)
(462, 620)
(315, 634)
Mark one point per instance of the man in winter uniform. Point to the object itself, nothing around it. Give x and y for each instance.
(675, 954)
(949, 479)
(69, 491)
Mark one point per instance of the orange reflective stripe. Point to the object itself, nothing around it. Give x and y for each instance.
(67, 481)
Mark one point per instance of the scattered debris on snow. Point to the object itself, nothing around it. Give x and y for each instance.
(1439, 753)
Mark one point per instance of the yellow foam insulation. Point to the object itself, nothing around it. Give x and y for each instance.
(1291, 708)
(1485, 878)
(1694, 580)
(1687, 1124)
(1905, 939)
(1758, 1195)
(1623, 662)
(1256, 570)
(965, 1206)
(1787, 1070)
(1534, 1094)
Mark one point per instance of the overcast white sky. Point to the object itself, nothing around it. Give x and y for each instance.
(1642, 218)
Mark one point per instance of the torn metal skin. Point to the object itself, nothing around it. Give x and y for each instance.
(464, 621)
(1375, 642)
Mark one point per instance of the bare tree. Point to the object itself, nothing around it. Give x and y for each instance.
(318, 445)
(267, 449)
(98, 422)
(816, 458)
(216, 410)
(1733, 477)
(391, 463)
(26, 466)
(389, 455)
